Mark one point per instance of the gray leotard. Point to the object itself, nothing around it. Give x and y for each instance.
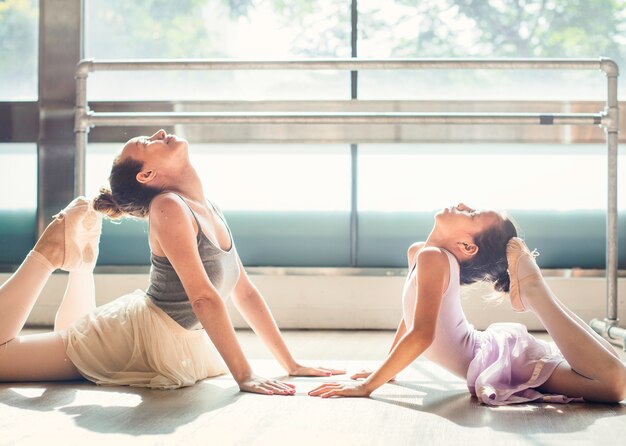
(166, 290)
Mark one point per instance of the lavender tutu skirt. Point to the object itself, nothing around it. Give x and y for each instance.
(509, 364)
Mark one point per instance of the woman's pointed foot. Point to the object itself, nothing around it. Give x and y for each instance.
(82, 235)
(522, 266)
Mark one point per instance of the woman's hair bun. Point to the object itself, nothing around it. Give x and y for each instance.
(106, 204)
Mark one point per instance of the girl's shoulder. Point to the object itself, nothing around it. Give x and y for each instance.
(411, 253)
(420, 253)
(434, 269)
(432, 254)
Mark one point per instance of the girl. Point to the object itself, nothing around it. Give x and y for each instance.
(152, 338)
(504, 364)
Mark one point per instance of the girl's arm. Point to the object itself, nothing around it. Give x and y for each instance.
(399, 334)
(433, 273)
(411, 255)
(257, 314)
(173, 228)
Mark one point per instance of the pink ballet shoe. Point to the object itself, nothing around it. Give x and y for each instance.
(515, 250)
(82, 235)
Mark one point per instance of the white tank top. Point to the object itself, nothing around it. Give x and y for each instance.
(455, 338)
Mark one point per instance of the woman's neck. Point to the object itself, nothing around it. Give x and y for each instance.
(189, 185)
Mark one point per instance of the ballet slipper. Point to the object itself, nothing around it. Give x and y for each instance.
(515, 250)
(82, 235)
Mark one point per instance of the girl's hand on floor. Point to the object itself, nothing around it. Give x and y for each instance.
(327, 390)
(258, 384)
(315, 371)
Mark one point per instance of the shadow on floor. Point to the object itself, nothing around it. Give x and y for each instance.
(455, 404)
(125, 410)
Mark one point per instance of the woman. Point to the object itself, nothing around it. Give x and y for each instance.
(504, 364)
(152, 339)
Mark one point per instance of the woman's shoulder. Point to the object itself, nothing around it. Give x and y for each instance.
(168, 207)
(167, 202)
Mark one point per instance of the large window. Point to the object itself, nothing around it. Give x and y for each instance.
(18, 177)
(219, 29)
(307, 177)
(18, 200)
(286, 204)
(268, 191)
(417, 177)
(490, 29)
(308, 190)
(18, 49)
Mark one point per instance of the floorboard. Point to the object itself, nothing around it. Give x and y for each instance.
(426, 405)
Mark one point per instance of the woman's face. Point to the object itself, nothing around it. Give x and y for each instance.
(159, 151)
(461, 219)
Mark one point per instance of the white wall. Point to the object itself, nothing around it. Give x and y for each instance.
(351, 302)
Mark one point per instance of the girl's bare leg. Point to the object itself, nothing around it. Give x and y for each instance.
(590, 330)
(590, 369)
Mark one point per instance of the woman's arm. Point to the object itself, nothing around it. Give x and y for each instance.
(172, 226)
(433, 272)
(257, 314)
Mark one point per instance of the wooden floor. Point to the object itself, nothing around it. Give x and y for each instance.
(425, 406)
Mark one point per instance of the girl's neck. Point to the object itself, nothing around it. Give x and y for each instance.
(436, 239)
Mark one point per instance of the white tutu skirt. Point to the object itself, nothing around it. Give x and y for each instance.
(510, 363)
(132, 342)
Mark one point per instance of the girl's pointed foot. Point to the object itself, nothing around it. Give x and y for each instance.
(522, 266)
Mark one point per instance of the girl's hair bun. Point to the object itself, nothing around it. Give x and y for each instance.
(502, 283)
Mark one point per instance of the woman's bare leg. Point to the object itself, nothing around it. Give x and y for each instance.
(39, 357)
(78, 300)
(19, 294)
(592, 371)
(80, 293)
(69, 242)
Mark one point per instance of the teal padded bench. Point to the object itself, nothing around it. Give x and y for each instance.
(573, 239)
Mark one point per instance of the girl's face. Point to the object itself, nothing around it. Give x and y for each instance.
(159, 151)
(463, 220)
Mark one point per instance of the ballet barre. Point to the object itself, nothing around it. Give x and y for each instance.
(608, 119)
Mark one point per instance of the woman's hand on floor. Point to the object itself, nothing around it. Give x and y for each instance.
(363, 374)
(258, 384)
(301, 370)
(327, 390)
